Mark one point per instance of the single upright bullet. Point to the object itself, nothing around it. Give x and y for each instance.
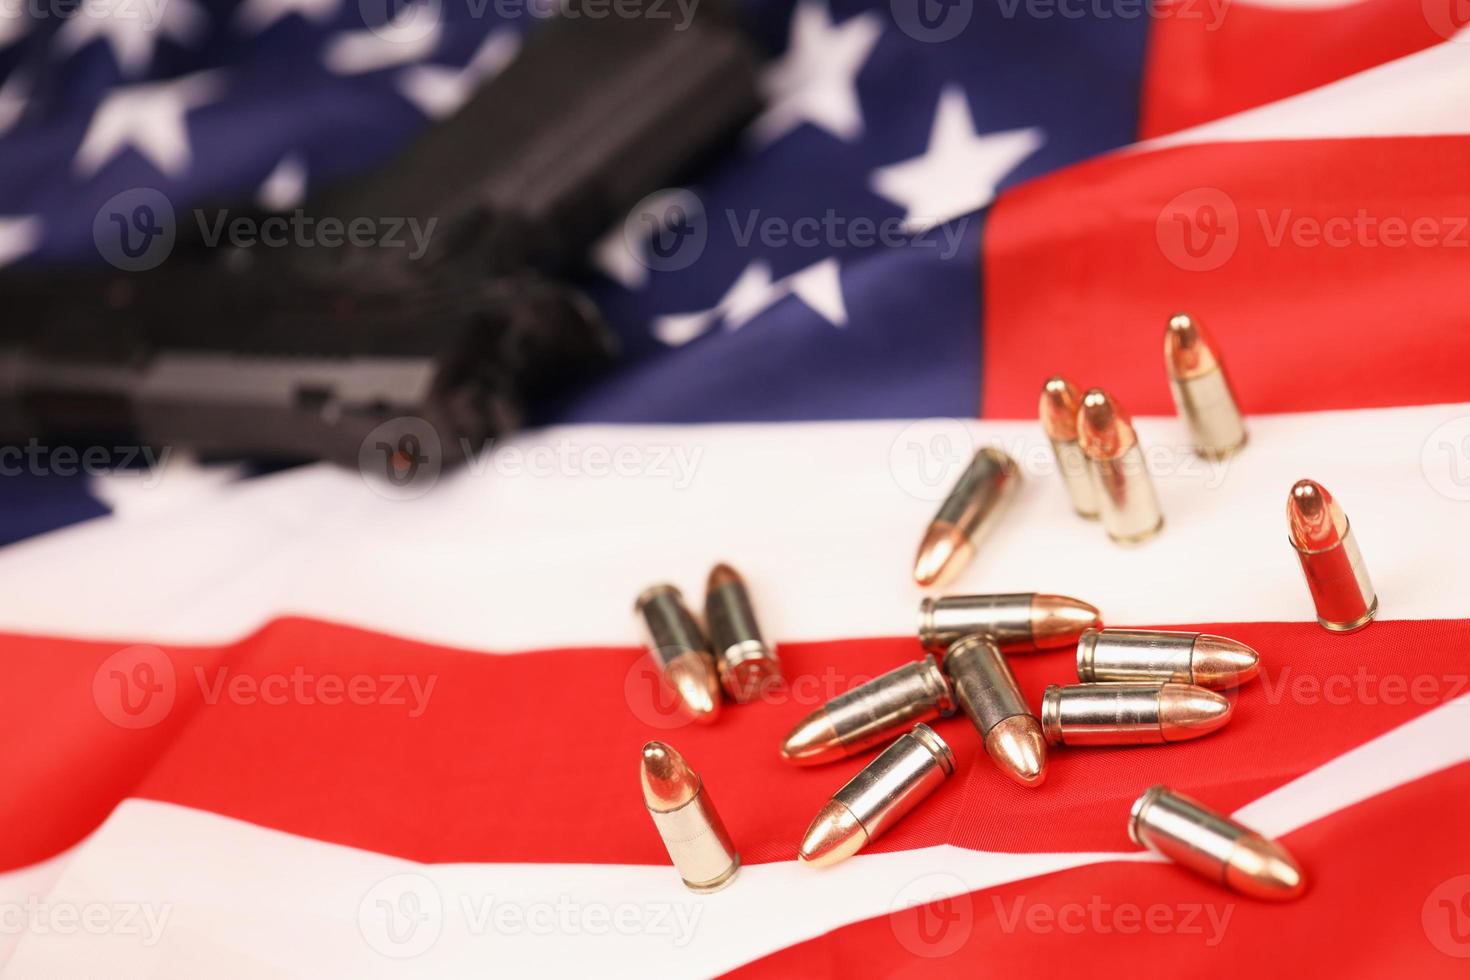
(686, 819)
(1189, 833)
(1126, 498)
(870, 714)
(987, 691)
(679, 648)
(1130, 714)
(1157, 656)
(748, 664)
(1060, 402)
(1019, 622)
(877, 797)
(970, 510)
(1201, 388)
(1336, 574)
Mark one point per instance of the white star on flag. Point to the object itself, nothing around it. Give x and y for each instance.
(819, 286)
(412, 35)
(148, 118)
(285, 187)
(14, 23)
(439, 90)
(129, 28)
(13, 95)
(960, 171)
(18, 236)
(254, 16)
(815, 81)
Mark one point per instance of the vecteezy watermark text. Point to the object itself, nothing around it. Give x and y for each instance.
(405, 914)
(36, 917)
(1201, 229)
(1211, 11)
(402, 459)
(1362, 687)
(148, 13)
(831, 230)
(1099, 916)
(300, 230)
(35, 459)
(138, 686)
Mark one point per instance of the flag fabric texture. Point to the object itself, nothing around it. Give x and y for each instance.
(304, 724)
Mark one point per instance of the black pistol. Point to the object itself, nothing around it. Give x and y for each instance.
(312, 353)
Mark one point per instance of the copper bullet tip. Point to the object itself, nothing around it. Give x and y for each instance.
(813, 741)
(835, 835)
(668, 782)
(943, 552)
(1059, 404)
(695, 681)
(1263, 869)
(722, 575)
(1019, 748)
(1103, 428)
(1059, 621)
(1187, 711)
(1317, 522)
(1218, 662)
(1188, 350)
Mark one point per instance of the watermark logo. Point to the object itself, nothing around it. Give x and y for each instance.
(1199, 230)
(1448, 18)
(135, 687)
(928, 456)
(1445, 459)
(651, 699)
(933, 915)
(667, 230)
(932, 21)
(135, 230)
(401, 916)
(401, 459)
(1446, 917)
(400, 22)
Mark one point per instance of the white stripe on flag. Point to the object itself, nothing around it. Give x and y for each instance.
(207, 893)
(1423, 94)
(823, 518)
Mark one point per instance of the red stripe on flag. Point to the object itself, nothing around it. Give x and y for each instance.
(1389, 896)
(1311, 304)
(308, 727)
(1211, 58)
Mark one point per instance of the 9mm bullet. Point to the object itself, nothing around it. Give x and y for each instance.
(878, 797)
(1125, 491)
(1334, 568)
(678, 646)
(686, 819)
(1201, 388)
(870, 714)
(1187, 832)
(987, 691)
(747, 663)
(1019, 622)
(970, 510)
(1130, 714)
(1157, 656)
(1060, 402)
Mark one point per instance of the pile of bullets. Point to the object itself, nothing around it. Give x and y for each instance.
(1134, 686)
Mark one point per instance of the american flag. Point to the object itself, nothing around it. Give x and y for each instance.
(286, 724)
